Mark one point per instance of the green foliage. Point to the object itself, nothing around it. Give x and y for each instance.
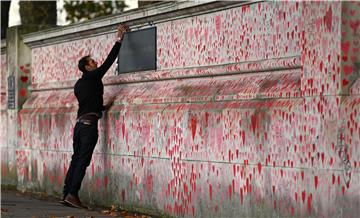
(147, 2)
(37, 15)
(78, 11)
(5, 6)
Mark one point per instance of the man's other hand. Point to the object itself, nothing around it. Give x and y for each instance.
(110, 103)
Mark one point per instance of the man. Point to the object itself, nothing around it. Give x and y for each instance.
(89, 91)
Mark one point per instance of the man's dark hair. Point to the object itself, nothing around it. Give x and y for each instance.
(83, 62)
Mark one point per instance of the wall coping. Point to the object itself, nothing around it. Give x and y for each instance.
(136, 19)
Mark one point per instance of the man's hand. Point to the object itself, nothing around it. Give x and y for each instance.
(110, 103)
(122, 29)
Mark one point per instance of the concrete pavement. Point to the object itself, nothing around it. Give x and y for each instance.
(19, 205)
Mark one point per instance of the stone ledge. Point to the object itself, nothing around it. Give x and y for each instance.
(281, 84)
(269, 65)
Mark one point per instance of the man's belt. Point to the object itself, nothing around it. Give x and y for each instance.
(88, 119)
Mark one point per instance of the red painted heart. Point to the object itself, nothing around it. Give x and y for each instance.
(24, 79)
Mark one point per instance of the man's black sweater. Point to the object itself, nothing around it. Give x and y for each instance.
(89, 89)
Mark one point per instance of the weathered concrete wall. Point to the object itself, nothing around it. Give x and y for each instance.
(15, 62)
(6, 165)
(253, 111)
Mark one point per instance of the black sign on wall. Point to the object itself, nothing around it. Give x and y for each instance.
(138, 51)
(11, 92)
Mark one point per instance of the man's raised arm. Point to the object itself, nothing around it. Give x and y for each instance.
(122, 29)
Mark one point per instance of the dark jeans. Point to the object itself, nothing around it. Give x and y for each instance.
(84, 141)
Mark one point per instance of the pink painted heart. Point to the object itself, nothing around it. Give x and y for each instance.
(348, 70)
(354, 59)
(345, 82)
(218, 24)
(345, 47)
(328, 19)
(354, 25)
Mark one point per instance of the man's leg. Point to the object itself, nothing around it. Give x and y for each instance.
(74, 160)
(88, 140)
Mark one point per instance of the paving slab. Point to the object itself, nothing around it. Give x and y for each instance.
(19, 205)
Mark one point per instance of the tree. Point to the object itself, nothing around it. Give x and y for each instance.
(78, 11)
(143, 3)
(37, 15)
(5, 6)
